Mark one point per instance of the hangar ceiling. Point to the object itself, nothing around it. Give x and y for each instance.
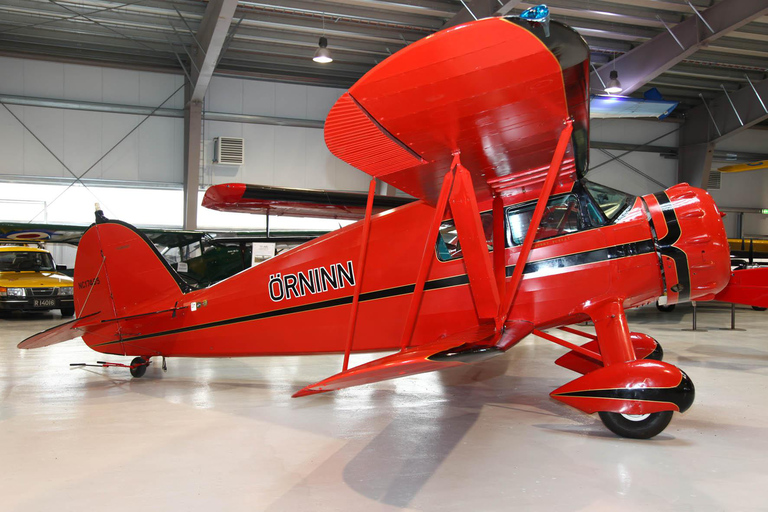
(276, 40)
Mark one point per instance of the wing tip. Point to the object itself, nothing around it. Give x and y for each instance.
(309, 390)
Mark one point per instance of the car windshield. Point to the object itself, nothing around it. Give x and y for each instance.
(25, 261)
(613, 202)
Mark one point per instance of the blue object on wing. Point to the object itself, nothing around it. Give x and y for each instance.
(538, 13)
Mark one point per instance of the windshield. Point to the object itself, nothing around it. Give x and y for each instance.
(25, 261)
(613, 202)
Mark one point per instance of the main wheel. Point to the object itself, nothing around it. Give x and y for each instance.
(665, 309)
(636, 426)
(138, 367)
(68, 311)
(758, 308)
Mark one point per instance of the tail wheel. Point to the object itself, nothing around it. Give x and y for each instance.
(139, 367)
(68, 311)
(758, 308)
(665, 309)
(636, 426)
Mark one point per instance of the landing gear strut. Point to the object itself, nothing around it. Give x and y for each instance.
(139, 367)
(636, 426)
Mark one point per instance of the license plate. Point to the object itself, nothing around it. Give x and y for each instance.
(41, 303)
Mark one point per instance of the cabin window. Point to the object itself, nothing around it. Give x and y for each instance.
(448, 246)
(611, 201)
(561, 217)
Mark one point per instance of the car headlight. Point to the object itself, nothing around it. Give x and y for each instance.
(12, 292)
(66, 290)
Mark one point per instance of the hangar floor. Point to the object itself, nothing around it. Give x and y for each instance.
(225, 434)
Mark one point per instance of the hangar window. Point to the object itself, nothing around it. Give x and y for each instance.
(448, 245)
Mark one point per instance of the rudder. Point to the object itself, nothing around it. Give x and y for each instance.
(119, 272)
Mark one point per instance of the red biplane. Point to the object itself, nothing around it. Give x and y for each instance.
(486, 124)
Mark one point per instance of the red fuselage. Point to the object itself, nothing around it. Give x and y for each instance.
(300, 301)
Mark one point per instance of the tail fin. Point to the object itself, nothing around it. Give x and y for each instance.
(119, 272)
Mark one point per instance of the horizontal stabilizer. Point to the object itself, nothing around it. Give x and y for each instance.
(473, 345)
(66, 331)
(747, 286)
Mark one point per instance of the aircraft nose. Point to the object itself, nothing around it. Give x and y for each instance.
(691, 239)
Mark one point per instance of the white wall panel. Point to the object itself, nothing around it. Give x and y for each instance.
(290, 157)
(227, 96)
(291, 101)
(320, 100)
(258, 97)
(120, 86)
(43, 79)
(82, 142)
(634, 131)
(82, 83)
(259, 154)
(48, 125)
(11, 143)
(321, 164)
(12, 76)
(159, 150)
(618, 176)
(154, 88)
(122, 163)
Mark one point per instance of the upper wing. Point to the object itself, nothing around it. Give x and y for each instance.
(22, 232)
(496, 90)
(295, 202)
(749, 166)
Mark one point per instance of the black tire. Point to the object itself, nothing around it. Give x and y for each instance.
(665, 309)
(645, 428)
(138, 367)
(68, 311)
(758, 308)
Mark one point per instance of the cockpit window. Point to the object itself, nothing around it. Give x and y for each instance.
(611, 201)
(561, 217)
(448, 246)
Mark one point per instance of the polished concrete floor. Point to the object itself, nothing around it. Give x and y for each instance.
(225, 434)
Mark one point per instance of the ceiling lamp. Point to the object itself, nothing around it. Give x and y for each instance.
(323, 54)
(614, 86)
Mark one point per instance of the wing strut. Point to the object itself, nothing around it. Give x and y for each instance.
(361, 269)
(538, 213)
(474, 247)
(426, 257)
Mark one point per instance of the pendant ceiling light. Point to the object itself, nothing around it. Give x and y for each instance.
(323, 54)
(614, 86)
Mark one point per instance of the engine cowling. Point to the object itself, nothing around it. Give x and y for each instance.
(691, 241)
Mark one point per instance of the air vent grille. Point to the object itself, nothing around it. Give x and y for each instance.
(714, 180)
(228, 151)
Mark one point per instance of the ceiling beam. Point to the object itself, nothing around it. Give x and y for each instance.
(211, 35)
(714, 121)
(649, 60)
(474, 9)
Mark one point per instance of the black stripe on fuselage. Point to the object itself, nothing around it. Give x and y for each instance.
(668, 249)
(571, 260)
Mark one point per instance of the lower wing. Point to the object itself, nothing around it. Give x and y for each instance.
(470, 346)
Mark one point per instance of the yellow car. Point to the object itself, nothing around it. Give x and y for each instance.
(29, 281)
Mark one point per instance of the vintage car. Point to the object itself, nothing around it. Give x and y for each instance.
(30, 281)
